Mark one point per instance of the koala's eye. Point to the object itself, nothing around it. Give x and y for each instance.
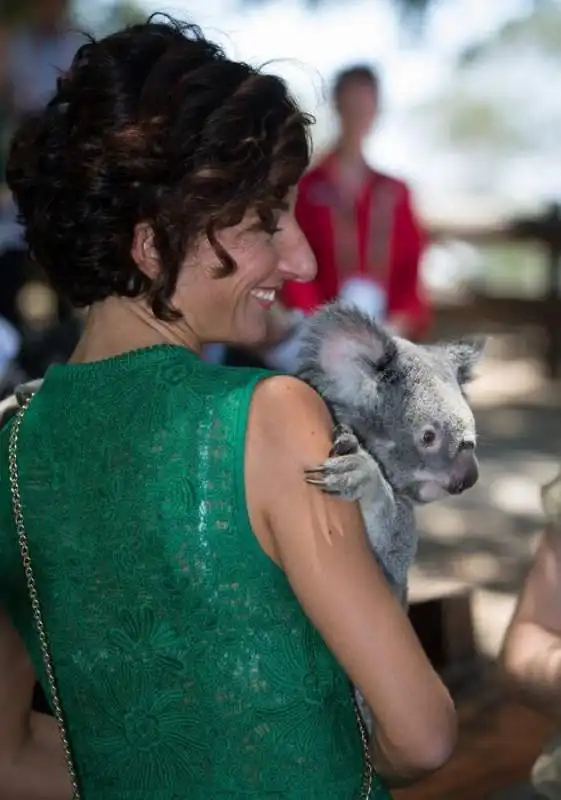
(429, 437)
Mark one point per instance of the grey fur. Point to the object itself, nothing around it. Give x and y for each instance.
(384, 392)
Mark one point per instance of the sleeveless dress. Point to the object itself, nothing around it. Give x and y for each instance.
(186, 667)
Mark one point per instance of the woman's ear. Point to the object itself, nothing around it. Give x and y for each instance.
(143, 250)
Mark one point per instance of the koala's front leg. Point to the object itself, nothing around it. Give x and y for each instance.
(349, 472)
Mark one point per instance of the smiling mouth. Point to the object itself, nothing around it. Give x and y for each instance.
(265, 297)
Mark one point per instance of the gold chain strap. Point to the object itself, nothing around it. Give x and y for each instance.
(368, 767)
(33, 596)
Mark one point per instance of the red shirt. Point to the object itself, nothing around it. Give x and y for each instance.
(378, 236)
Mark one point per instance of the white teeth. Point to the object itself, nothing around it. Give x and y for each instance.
(264, 294)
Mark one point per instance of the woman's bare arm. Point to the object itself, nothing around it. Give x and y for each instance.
(32, 765)
(531, 652)
(320, 543)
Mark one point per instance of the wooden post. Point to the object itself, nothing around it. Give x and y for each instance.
(547, 230)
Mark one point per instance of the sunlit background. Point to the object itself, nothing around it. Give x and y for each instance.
(471, 108)
(470, 101)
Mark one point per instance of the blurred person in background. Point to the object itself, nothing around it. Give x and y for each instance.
(360, 222)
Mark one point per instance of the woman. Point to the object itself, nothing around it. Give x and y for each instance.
(204, 605)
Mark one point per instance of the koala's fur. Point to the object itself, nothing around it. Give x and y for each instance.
(385, 393)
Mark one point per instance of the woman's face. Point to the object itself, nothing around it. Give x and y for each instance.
(235, 308)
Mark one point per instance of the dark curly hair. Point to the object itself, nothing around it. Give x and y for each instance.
(153, 123)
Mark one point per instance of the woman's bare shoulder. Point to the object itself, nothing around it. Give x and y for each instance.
(284, 406)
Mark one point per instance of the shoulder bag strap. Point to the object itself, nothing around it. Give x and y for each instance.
(32, 590)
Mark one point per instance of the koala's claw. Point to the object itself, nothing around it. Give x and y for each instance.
(347, 476)
(349, 471)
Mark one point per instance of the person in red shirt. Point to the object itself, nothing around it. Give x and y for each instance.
(360, 222)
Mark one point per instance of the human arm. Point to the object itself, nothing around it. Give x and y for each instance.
(409, 310)
(320, 543)
(531, 652)
(32, 765)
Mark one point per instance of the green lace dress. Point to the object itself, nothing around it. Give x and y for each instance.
(186, 668)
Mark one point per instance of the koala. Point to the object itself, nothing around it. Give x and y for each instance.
(404, 431)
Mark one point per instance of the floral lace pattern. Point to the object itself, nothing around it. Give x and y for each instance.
(186, 668)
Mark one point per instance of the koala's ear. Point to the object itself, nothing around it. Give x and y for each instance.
(344, 349)
(347, 347)
(465, 355)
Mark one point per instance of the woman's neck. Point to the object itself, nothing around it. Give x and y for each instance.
(119, 325)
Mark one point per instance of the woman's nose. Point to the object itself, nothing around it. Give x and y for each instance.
(299, 264)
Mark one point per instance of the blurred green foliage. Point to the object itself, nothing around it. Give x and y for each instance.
(115, 14)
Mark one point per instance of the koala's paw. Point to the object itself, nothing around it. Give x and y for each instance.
(349, 472)
(551, 500)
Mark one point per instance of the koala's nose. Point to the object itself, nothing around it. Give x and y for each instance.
(465, 471)
(466, 479)
(466, 444)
